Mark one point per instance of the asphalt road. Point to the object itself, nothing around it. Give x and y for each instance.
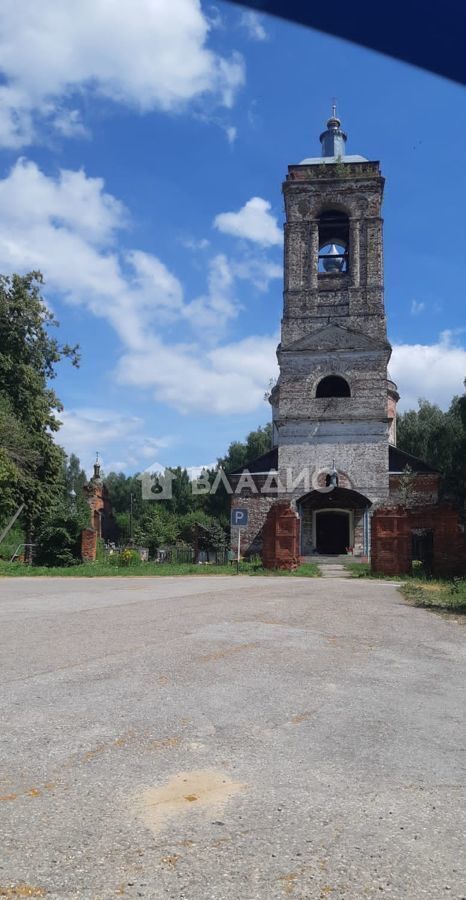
(228, 737)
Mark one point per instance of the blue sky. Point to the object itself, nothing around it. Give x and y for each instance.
(142, 156)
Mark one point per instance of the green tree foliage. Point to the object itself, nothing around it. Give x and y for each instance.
(238, 455)
(75, 478)
(439, 438)
(58, 539)
(186, 517)
(157, 527)
(32, 463)
(242, 453)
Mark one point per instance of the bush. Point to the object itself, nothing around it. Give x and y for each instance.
(11, 542)
(59, 540)
(129, 557)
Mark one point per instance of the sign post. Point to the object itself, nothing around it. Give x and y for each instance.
(239, 520)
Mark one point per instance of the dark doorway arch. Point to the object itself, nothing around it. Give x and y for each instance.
(332, 531)
(333, 386)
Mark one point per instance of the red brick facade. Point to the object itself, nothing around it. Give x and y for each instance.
(88, 544)
(102, 522)
(281, 538)
(424, 490)
(392, 539)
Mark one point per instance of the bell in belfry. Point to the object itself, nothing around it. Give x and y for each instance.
(334, 260)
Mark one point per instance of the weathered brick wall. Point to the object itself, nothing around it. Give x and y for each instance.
(360, 452)
(101, 519)
(423, 492)
(258, 506)
(281, 538)
(390, 542)
(88, 544)
(353, 430)
(391, 539)
(354, 298)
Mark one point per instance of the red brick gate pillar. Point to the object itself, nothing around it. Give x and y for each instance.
(88, 544)
(390, 541)
(281, 538)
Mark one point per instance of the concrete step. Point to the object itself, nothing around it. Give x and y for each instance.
(333, 570)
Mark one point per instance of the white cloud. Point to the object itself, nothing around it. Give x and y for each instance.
(67, 228)
(146, 54)
(434, 372)
(87, 430)
(225, 380)
(232, 133)
(195, 472)
(68, 123)
(194, 244)
(417, 307)
(253, 221)
(72, 203)
(253, 25)
(210, 313)
(259, 270)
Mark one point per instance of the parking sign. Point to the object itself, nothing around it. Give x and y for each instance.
(239, 517)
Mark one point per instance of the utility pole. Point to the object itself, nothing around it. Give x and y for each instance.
(131, 518)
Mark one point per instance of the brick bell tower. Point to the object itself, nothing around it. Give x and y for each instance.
(330, 405)
(334, 481)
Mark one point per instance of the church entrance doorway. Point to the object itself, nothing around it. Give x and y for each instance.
(332, 531)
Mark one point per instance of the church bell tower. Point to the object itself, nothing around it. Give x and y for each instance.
(330, 405)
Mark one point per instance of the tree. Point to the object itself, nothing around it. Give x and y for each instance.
(242, 453)
(74, 481)
(439, 438)
(58, 536)
(239, 454)
(157, 528)
(28, 360)
(17, 460)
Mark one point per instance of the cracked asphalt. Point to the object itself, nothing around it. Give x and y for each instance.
(228, 737)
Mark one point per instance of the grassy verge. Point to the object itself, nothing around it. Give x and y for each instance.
(363, 570)
(449, 596)
(104, 569)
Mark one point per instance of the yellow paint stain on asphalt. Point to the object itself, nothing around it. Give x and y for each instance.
(92, 753)
(228, 651)
(22, 890)
(288, 882)
(33, 792)
(128, 739)
(164, 743)
(171, 860)
(184, 792)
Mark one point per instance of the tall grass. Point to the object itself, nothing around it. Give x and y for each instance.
(105, 569)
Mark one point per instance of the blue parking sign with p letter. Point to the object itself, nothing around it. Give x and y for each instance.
(239, 517)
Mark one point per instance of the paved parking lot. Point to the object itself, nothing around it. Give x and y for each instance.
(228, 737)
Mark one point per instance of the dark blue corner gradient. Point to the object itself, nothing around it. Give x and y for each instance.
(426, 33)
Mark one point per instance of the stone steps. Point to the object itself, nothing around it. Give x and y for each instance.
(333, 570)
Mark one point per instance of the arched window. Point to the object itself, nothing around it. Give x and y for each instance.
(333, 386)
(333, 242)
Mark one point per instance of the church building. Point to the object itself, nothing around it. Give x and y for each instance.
(334, 461)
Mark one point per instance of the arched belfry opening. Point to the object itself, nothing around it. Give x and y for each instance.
(334, 231)
(333, 386)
